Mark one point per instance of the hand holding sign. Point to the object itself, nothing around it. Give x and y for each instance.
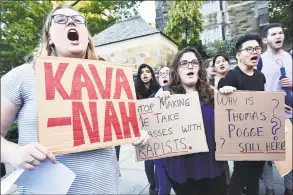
(142, 140)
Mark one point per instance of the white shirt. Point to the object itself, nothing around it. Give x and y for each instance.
(271, 70)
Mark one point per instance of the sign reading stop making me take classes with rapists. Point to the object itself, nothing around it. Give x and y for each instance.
(84, 104)
(175, 126)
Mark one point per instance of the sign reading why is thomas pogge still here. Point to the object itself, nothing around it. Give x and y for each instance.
(250, 126)
(175, 126)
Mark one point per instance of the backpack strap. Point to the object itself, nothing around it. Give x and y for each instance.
(259, 65)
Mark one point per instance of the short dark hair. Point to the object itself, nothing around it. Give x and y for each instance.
(245, 38)
(268, 27)
(218, 55)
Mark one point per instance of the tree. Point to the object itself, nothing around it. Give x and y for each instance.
(22, 21)
(281, 11)
(226, 47)
(102, 14)
(184, 23)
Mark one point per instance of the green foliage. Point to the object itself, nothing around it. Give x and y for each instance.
(184, 23)
(12, 134)
(226, 47)
(102, 14)
(22, 22)
(280, 11)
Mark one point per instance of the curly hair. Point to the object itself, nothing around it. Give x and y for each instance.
(204, 89)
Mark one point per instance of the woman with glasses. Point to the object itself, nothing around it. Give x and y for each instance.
(64, 35)
(164, 184)
(198, 173)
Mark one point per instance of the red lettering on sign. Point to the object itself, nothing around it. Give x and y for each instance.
(104, 91)
(132, 119)
(122, 84)
(111, 119)
(77, 84)
(60, 121)
(93, 131)
(53, 82)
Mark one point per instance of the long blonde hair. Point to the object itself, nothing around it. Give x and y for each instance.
(44, 49)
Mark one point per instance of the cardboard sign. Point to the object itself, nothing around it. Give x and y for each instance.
(84, 104)
(175, 126)
(250, 126)
(284, 167)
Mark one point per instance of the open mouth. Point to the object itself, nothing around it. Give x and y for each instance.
(190, 74)
(145, 77)
(72, 35)
(254, 58)
(165, 81)
(222, 67)
(278, 42)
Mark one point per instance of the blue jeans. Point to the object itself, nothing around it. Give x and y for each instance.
(164, 183)
(151, 174)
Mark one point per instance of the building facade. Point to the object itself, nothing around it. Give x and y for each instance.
(222, 18)
(134, 41)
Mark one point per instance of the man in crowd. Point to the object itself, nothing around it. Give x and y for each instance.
(273, 59)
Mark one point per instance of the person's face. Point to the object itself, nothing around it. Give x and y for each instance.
(275, 38)
(164, 77)
(221, 65)
(249, 54)
(146, 75)
(211, 70)
(70, 38)
(188, 69)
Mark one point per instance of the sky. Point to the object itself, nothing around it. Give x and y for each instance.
(147, 11)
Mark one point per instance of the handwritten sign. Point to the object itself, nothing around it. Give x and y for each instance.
(84, 104)
(175, 126)
(250, 126)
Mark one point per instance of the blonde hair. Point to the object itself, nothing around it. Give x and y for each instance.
(45, 49)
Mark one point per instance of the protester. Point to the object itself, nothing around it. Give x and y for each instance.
(64, 35)
(146, 85)
(272, 60)
(199, 173)
(245, 77)
(164, 184)
(221, 66)
(210, 70)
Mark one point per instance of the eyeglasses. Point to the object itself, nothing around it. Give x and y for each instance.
(251, 49)
(185, 64)
(62, 19)
(162, 74)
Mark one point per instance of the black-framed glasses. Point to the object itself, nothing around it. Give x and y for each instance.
(62, 19)
(185, 64)
(251, 49)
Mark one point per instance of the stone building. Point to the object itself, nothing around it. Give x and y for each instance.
(134, 41)
(222, 18)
